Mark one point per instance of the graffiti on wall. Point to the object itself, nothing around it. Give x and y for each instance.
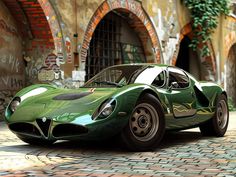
(68, 50)
(11, 77)
(51, 69)
(44, 69)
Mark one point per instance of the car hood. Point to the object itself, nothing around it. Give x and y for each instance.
(62, 104)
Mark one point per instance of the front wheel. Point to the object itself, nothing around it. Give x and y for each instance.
(218, 124)
(146, 125)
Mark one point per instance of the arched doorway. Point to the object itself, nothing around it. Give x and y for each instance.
(122, 32)
(231, 74)
(114, 41)
(188, 59)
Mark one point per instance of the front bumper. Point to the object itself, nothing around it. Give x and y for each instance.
(49, 129)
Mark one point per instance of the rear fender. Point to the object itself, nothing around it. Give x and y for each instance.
(211, 92)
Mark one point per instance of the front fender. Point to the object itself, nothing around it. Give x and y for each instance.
(128, 96)
(28, 92)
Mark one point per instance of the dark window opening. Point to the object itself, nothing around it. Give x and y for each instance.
(188, 59)
(183, 56)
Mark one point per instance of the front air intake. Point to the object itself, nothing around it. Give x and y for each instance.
(63, 130)
(44, 125)
(25, 128)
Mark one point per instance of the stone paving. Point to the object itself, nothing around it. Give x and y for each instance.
(184, 153)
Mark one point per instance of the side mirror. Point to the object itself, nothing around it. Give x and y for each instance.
(173, 85)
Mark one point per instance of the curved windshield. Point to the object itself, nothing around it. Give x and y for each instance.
(115, 76)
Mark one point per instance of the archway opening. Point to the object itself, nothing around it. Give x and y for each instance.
(231, 74)
(188, 59)
(120, 37)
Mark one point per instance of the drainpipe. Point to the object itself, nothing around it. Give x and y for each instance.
(76, 53)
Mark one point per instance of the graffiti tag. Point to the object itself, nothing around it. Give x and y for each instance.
(11, 82)
(10, 62)
(9, 29)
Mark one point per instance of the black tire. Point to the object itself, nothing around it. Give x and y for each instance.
(36, 141)
(218, 124)
(146, 125)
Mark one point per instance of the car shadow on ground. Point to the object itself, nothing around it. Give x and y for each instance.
(170, 139)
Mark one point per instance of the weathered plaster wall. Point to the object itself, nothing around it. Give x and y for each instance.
(169, 17)
(74, 17)
(12, 74)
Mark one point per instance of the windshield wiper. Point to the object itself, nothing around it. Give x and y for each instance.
(109, 83)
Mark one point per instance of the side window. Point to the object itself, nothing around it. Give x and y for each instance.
(159, 81)
(177, 78)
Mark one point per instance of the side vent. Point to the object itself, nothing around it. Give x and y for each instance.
(202, 99)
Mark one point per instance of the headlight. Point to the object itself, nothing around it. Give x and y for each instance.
(105, 109)
(14, 104)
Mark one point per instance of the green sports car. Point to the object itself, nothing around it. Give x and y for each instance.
(135, 102)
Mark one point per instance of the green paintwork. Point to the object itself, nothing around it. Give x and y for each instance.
(80, 111)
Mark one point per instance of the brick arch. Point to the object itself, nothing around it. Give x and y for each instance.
(137, 12)
(36, 19)
(53, 24)
(209, 62)
(185, 31)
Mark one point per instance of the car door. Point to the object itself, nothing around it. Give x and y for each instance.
(180, 93)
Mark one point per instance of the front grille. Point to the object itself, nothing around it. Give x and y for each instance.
(68, 130)
(24, 128)
(44, 125)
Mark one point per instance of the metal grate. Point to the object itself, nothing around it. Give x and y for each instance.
(104, 47)
(107, 49)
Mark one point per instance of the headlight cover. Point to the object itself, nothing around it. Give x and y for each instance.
(14, 104)
(105, 109)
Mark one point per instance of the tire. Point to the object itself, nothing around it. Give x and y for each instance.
(218, 124)
(146, 125)
(36, 141)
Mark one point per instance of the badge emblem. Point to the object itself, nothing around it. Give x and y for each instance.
(44, 119)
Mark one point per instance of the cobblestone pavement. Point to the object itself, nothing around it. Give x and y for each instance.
(184, 153)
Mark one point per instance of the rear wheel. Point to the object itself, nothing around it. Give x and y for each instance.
(36, 141)
(218, 124)
(146, 125)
